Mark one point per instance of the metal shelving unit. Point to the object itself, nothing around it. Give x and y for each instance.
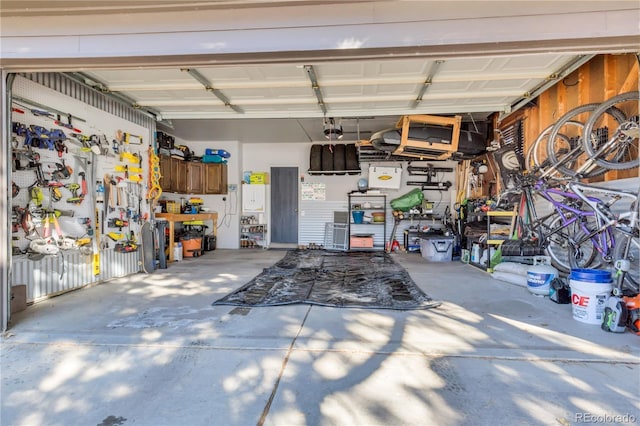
(252, 233)
(368, 203)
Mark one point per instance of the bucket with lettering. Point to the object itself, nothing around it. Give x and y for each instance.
(590, 289)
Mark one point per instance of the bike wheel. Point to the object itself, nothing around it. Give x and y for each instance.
(557, 244)
(565, 247)
(536, 157)
(582, 253)
(620, 150)
(564, 147)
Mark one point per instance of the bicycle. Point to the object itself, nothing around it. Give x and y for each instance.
(608, 139)
(622, 255)
(582, 231)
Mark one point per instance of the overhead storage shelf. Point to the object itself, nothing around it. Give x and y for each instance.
(334, 159)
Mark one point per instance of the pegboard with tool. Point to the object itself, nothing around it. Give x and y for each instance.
(79, 176)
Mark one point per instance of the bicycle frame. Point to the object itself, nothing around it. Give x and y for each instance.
(602, 237)
(606, 219)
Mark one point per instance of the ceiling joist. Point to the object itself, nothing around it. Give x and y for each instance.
(316, 87)
(209, 88)
(432, 72)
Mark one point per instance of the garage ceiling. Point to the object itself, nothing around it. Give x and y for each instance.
(363, 96)
(274, 71)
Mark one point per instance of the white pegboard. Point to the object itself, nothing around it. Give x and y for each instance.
(90, 121)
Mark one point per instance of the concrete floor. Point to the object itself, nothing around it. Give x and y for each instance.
(151, 350)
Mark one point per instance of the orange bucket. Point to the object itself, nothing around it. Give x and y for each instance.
(191, 247)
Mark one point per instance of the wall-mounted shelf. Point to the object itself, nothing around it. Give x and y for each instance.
(334, 172)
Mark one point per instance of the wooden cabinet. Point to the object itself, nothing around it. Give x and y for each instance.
(195, 178)
(179, 176)
(186, 177)
(215, 178)
(166, 182)
(174, 173)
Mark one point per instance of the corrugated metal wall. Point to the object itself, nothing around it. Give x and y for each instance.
(90, 96)
(70, 270)
(314, 215)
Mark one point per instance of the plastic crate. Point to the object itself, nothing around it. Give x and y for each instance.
(335, 236)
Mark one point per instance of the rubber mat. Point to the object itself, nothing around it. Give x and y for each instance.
(338, 279)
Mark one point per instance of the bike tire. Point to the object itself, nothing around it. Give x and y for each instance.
(631, 283)
(531, 158)
(583, 255)
(560, 247)
(623, 151)
(537, 158)
(558, 143)
(556, 245)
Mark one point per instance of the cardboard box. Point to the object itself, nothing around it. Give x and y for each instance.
(18, 298)
(261, 178)
(361, 242)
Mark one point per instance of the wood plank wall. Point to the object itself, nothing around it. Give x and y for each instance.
(598, 80)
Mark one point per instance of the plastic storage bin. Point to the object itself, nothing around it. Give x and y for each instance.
(436, 248)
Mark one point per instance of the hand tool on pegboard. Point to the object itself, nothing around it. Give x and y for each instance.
(132, 139)
(109, 194)
(15, 189)
(83, 184)
(54, 190)
(115, 236)
(68, 125)
(117, 223)
(43, 109)
(75, 197)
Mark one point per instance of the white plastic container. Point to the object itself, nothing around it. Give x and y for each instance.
(436, 248)
(177, 251)
(540, 275)
(590, 289)
(475, 253)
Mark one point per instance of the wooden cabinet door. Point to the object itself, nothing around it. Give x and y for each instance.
(165, 173)
(195, 178)
(180, 177)
(215, 181)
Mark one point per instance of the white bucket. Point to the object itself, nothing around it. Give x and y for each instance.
(590, 289)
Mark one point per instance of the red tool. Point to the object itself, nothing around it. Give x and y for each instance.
(19, 111)
(68, 126)
(84, 184)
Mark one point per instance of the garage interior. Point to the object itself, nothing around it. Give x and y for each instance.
(224, 135)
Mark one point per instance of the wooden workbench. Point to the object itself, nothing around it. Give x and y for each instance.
(172, 218)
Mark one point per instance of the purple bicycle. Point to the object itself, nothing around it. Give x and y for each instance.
(579, 230)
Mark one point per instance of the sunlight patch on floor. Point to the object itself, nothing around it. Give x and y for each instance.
(567, 341)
